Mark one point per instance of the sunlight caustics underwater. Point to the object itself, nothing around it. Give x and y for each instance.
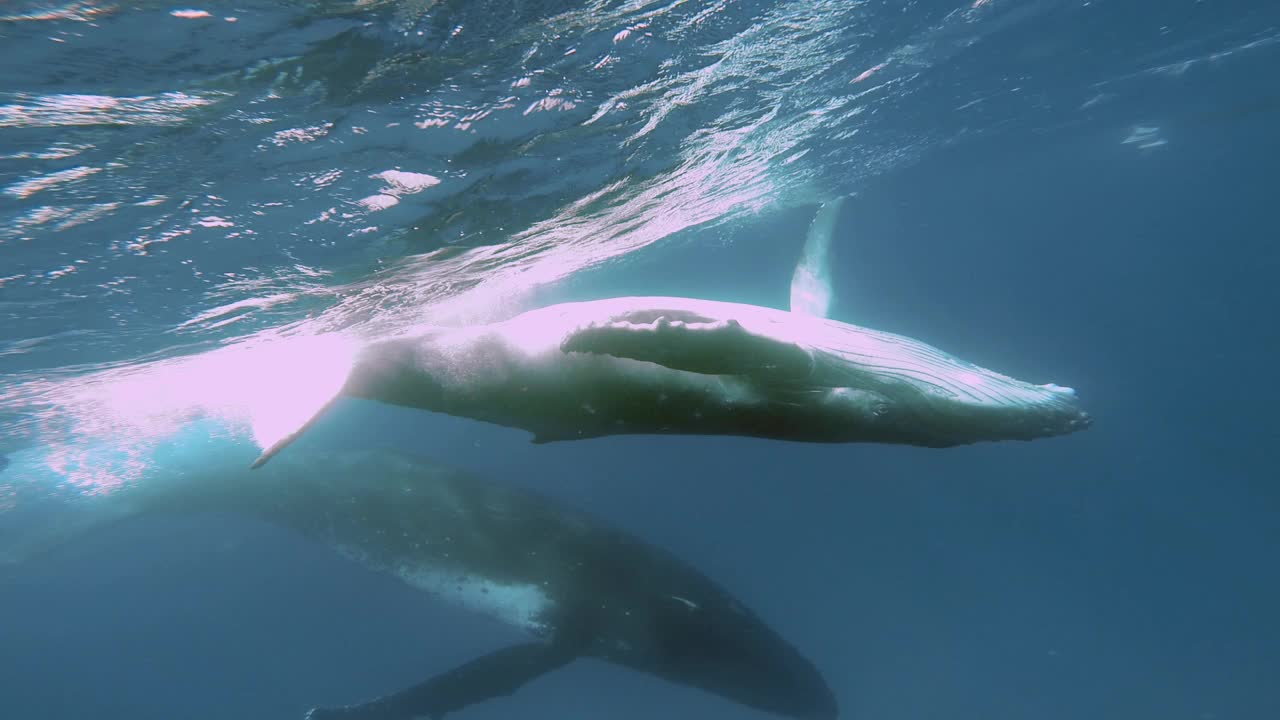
(337, 227)
(363, 168)
(216, 218)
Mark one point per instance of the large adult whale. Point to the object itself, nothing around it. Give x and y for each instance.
(579, 587)
(650, 365)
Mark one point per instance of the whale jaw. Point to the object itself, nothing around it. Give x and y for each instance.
(944, 421)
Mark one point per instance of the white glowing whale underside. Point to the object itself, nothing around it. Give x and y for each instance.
(679, 365)
(654, 365)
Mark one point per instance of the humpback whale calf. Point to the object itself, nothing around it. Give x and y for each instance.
(654, 365)
(579, 588)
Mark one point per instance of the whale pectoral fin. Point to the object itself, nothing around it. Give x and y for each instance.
(496, 674)
(811, 283)
(720, 347)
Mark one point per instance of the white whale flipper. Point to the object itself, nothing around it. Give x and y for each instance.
(811, 292)
(721, 347)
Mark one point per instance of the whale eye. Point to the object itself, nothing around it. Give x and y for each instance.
(880, 409)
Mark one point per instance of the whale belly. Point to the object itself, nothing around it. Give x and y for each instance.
(522, 605)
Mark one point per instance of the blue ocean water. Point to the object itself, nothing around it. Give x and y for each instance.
(1077, 192)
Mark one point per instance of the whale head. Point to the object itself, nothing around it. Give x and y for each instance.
(932, 417)
(726, 650)
(895, 389)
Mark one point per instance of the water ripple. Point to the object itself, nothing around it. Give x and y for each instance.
(265, 170)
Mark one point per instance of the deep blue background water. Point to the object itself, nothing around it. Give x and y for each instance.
(1128, 571)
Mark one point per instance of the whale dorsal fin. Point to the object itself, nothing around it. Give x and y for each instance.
(494, 675)
(811, 292)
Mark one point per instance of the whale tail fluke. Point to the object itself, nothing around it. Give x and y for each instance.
(274, 448)
(298, 381)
